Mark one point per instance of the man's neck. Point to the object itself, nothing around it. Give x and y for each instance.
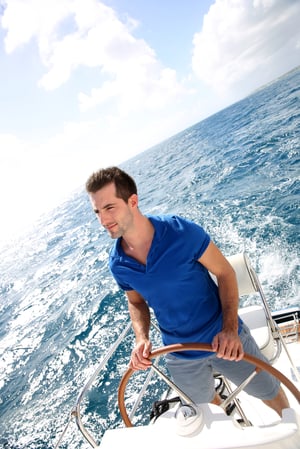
(137, 243)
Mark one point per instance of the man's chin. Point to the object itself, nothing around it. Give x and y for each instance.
(114, 235)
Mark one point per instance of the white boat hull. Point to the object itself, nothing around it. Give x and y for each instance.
(218, 432)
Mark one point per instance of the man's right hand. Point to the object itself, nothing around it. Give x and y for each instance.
(140, 356)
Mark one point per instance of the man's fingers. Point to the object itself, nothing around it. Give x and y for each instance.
(227, 348)
(138, 361)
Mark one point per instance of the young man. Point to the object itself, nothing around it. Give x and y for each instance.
(163, 262)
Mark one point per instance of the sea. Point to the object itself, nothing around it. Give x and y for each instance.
(235, 173)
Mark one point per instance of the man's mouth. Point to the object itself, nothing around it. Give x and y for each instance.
(111, 226)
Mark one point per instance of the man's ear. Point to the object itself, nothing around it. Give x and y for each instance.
(133, 201)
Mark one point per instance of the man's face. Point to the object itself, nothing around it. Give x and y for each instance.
(114, 214)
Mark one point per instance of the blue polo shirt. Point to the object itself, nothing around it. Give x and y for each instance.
(174, 284)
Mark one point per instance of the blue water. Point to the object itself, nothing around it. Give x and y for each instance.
(236, 173)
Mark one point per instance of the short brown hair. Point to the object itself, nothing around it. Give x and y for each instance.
(125, 185)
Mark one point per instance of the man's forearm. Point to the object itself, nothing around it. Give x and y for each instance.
(228, 293)
(140, 317)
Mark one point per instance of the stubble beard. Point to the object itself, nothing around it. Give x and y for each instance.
(120, 229)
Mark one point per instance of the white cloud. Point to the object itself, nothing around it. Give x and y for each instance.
(20, 183)
(244, 44)
(69, 33)
(129, 72)
(26, 19)
(134, 89)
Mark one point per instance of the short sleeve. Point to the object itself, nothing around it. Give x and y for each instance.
(196, 238)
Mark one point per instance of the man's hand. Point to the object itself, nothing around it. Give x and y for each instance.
(140, 356)
(228, 346)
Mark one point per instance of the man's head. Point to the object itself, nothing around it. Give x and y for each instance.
(124, 184)
(113, 196)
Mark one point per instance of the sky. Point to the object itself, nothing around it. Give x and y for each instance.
(85, 84)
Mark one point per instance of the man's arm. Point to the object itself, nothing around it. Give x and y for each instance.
(227, 342)
(140, 317)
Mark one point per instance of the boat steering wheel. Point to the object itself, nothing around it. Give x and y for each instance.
(199, 347)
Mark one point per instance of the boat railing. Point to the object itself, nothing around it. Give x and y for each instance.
(76, 410)
(291, 331)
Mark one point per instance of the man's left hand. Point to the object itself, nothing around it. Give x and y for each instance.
(228, 346)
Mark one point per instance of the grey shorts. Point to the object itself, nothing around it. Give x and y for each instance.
(195, 376)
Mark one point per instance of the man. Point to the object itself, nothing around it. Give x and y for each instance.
(164, 263)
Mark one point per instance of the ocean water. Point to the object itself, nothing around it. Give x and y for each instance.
(235, 173)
